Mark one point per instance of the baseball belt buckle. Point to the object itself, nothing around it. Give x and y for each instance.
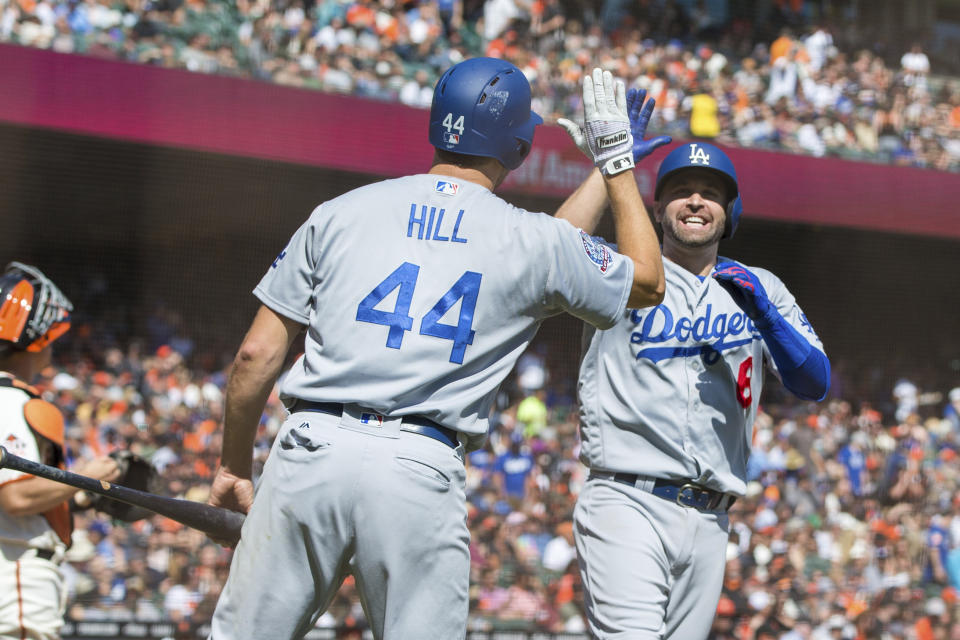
(686, 496)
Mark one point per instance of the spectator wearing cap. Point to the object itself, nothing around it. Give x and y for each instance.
(512, 471)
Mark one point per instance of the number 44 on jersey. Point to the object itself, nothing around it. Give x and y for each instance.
(467, 288)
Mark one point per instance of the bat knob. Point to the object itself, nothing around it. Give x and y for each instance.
(3, 454)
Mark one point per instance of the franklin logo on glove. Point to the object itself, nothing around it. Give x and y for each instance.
(613, 140)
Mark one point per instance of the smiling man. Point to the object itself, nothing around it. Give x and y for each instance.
(668, 398)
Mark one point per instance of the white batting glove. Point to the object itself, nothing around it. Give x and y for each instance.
(576, 134)
(607, 123)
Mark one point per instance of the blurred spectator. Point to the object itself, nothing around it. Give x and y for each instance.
(703, 116)
(952, 411)
(512, 471)
(560, 551)
(816, 88)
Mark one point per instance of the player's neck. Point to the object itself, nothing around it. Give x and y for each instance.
(476, 176)
(23, 365)
(697, 260)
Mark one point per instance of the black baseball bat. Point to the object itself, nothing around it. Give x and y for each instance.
(220, 524)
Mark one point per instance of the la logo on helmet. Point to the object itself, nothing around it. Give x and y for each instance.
(698, 155)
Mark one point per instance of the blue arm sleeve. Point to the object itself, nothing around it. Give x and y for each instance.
(804, 369)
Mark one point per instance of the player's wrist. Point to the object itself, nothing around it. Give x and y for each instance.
(617, 165)
(766, 316)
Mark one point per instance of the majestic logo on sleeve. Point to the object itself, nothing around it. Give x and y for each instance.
(698, 155)
(657, 327)
(598, 253)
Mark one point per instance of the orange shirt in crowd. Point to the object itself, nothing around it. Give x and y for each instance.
(780, 48)
(955, 118)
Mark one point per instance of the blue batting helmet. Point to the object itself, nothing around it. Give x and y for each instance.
(701, 155)
(481, 107)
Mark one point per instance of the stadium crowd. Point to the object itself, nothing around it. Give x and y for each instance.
(780, 76)
(850, 529)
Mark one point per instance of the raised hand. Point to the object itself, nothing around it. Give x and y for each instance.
(640, 112)
(607, 123)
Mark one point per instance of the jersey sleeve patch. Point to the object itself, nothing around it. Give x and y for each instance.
(15, 445)
(598, 253)
(45, 419)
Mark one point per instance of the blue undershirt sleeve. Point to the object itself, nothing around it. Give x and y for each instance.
(804, 369)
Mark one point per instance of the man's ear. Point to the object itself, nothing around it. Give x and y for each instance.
(657, 212)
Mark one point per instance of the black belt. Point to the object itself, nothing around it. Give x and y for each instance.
(44, 554)
(413, 424)
(685, 494)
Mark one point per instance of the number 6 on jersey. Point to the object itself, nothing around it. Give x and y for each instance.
(467, 288)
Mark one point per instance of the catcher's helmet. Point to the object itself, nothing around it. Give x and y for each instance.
(701, 155)
(481, 107)
(33, 311)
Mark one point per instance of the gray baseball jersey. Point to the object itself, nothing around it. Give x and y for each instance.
(672, 391)
(420, 293)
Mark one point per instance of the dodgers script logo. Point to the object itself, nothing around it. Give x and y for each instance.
(447, 188)
(698, 155)
(598, 253)
(658, 326)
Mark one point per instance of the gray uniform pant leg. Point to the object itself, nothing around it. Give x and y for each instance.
(334, 501)
(412, 560)
(293, 554)
(651, 569)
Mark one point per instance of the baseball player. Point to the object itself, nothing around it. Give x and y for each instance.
(35, 521)
(668, 398)
(418, 294)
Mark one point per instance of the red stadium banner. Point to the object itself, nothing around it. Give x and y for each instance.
(247, 118)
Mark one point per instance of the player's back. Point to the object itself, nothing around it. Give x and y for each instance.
(425, 290)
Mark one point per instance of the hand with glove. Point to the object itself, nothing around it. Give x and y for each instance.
(639, 111)
(804, 369)
(745, 289)
(135, 473)
(606, 137)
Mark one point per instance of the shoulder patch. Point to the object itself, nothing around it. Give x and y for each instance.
(598, 253)
(15, 445)
(45, 419)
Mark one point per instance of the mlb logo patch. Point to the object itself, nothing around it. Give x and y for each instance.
(373, 419)
(447, 188)
(451, 138)
(598, 253)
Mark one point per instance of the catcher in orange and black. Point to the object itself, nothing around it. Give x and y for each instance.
(35, 520)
